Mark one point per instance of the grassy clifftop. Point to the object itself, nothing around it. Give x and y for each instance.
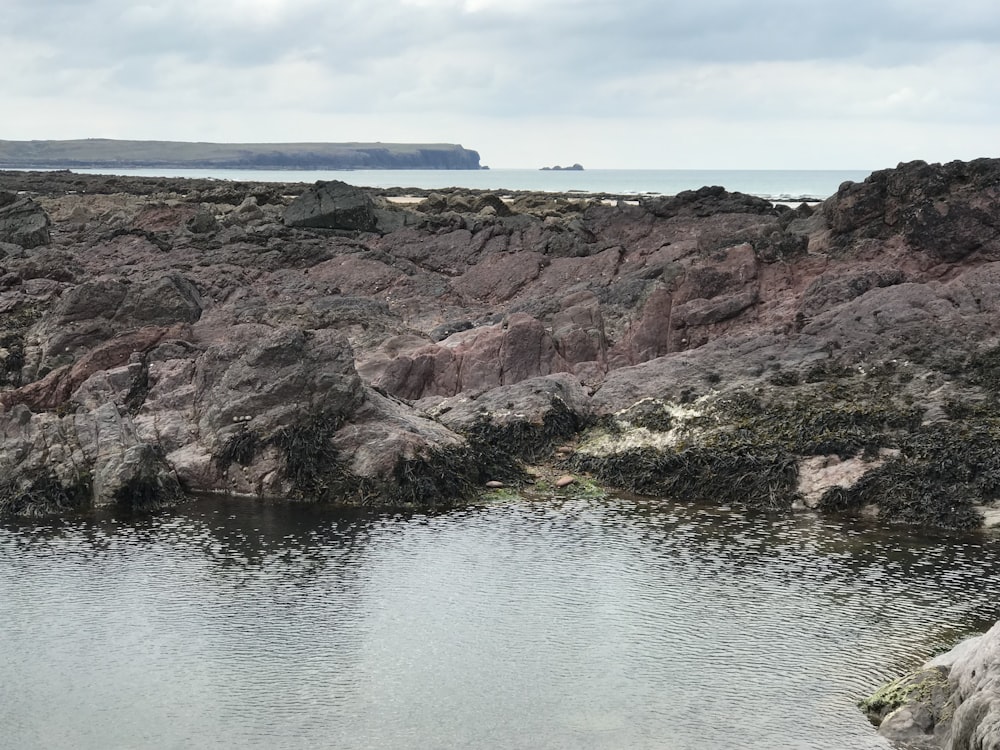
(102, 152)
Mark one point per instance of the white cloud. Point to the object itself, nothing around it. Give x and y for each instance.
(526, 83)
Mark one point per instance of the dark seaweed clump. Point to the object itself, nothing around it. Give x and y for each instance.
(651, 414)
(764, 479)
(46, 495)
(311, 460)
(942, 469)
(12, 338)
(241, 448)
(750, 450)
(144, 493)
(502, 444)
(443, 478)
(318, 473)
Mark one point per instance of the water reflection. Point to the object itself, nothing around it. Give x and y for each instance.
(563, 624)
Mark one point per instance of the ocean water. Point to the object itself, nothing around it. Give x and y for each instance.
(558, 624)
(771, 184)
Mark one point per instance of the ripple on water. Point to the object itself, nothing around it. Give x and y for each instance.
(543, 625)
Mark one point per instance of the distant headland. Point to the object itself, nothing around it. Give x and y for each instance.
(557, 168)
(99, 153)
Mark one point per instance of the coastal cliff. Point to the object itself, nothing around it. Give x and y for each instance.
(103, 153)
(165, 337)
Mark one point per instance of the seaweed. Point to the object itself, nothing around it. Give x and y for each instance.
(12, 339)
(941, 471)
(138, 388)
(522, 439)
(927, 686)
(744, 449)
(446, 477)
(650, 414)
(763, 479)
(145, 493)
(241, 448)
(983, 369)
(45, 495)
(310, 459)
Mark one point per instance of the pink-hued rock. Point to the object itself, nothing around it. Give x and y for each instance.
(225, 324)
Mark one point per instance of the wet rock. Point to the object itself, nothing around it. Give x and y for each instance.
(526, 420)
(951, 702)
(54, 464)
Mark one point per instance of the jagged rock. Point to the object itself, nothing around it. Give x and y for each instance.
(707, 201)
(203, 222)
(22, 221)
(55, 463)
(952, 702)
(471, 360)
(333, 205)
(854, 322)
(525, 419)
(948, 211)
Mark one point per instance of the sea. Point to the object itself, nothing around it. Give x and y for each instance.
(778, 185)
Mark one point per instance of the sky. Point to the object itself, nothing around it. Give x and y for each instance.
(629, 84)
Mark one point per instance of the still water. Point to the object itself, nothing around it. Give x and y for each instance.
(568, 623)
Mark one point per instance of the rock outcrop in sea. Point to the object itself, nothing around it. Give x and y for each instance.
(168, 337)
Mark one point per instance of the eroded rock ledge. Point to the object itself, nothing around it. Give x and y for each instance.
(163, 337)
(952, 702)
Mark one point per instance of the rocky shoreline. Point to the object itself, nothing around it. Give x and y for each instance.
(162, 337)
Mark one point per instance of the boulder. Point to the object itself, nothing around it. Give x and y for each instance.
(52, 463)
(333, 205)
(947, 211)
(525, 419)
(22, 221)
(951, 702)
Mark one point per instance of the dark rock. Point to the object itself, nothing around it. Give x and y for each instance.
(525, 420)
(22, 221)
(333, 205)
(203, 222)
(169, 299)
(948, 211)
(445, 330)
(707, 201)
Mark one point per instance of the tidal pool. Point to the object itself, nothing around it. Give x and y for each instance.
(569, 623)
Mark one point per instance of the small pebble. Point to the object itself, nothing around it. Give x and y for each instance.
(494, 484)
(565, 481)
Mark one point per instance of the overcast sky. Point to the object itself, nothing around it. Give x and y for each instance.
(783, 84)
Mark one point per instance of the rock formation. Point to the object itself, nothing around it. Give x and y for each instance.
(22, 221)
(952, 702)
(325, 342)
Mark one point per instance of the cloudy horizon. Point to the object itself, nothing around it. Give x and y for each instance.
(716, 85)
